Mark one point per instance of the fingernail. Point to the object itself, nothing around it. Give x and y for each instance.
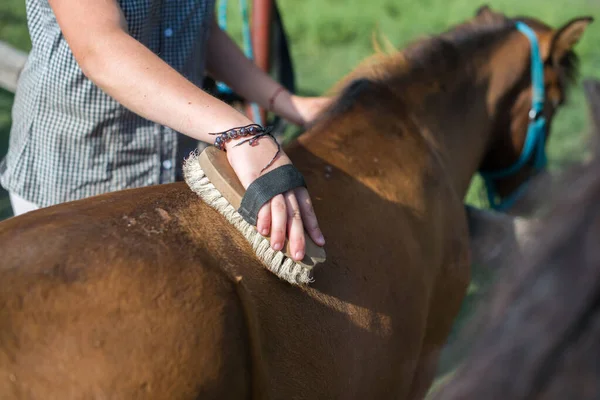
(321, 239)
(264, 231)
(277, 246)
(298, 255)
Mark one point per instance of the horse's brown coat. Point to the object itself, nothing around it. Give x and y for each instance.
(148, 293)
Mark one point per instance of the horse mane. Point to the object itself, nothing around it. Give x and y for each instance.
(395, 80)
(537, 335)
(428, 54)
(431, 60)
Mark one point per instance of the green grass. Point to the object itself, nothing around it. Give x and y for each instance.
(329, 37)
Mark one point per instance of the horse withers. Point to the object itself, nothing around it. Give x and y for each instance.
(150, 293)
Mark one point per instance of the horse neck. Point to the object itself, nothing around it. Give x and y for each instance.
(456, 114)
(418, 123)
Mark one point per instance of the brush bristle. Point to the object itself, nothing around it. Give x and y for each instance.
(275, 261)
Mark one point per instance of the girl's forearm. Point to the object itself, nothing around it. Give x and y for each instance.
(227, 63)
(145, 84)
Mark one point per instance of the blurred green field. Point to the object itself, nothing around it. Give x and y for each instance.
(329, 37)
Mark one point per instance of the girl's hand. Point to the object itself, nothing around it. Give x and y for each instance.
(288, 213)
(297, 109)
(308, 108)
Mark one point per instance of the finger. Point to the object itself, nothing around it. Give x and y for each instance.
(278, 222)
(264, 219)
(309, 218)
(295, 227)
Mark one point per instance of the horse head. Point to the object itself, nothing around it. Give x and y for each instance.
(539, 64)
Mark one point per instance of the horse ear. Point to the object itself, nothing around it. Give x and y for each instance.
(486, 14)
(566, 37)
(591, 87)
(484, 10)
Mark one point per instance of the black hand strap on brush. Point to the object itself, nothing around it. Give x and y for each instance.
(267, 186)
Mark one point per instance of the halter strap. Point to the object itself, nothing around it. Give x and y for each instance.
(537, 70)
(536, 132)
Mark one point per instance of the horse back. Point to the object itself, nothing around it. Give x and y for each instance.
(108, 297)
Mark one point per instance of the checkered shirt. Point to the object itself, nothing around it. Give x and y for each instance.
(69, 139)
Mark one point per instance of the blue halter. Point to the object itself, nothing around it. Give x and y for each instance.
(535, 140)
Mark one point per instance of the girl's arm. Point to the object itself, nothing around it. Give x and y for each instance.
(96, 32)
(227, 63)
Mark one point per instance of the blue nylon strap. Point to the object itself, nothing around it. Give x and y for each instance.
(535, 139)
(536, 132)
(509, 201)
(247, 44)
(248, 50)
(222, 19)
(537, 67)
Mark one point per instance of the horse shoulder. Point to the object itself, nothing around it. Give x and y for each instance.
(119, 291)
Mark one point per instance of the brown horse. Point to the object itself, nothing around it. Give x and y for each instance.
(538, 336)
(149, 293)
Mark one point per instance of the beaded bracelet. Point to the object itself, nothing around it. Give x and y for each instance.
(254, 130)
